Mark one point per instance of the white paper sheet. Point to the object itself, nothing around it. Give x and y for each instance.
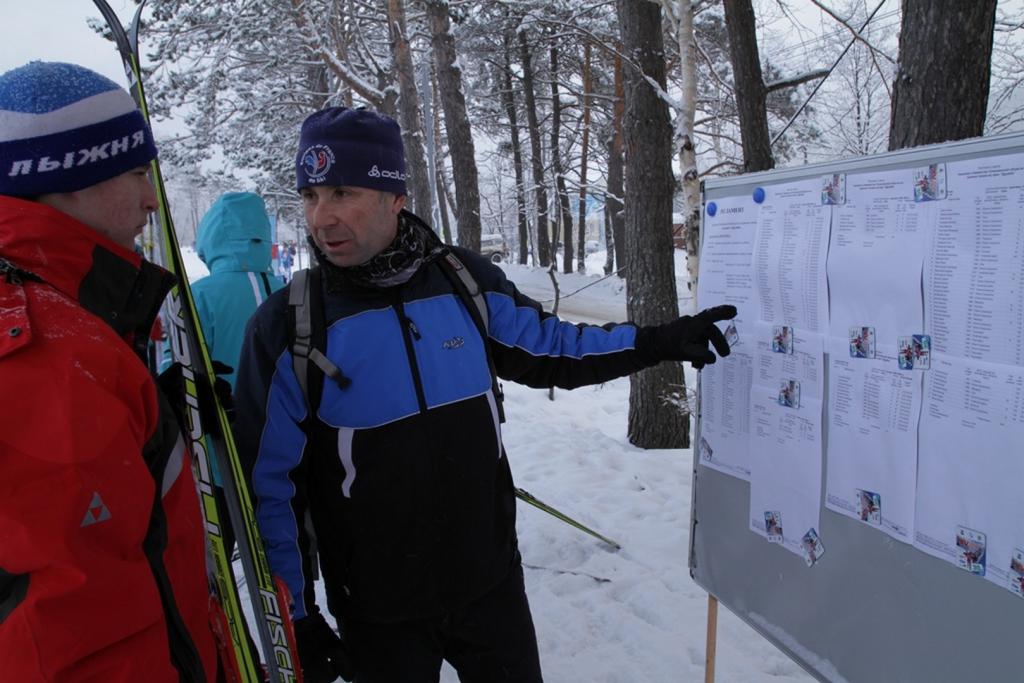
(974, 274)
(970, 503)
(727, 276)
(875, 257)
(873, 412)
(789, 256)
(785, 439)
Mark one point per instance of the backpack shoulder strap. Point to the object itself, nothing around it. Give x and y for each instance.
(472, 297)
(472, 289)
(308, 335)
(300, 327)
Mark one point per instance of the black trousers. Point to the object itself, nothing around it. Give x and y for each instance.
(490, 640)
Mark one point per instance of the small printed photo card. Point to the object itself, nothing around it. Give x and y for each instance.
(914, 352)
(930, 183)
(971, 550)
(833, 189)
(862, 342)
(905, 353)
(782, 339)
(705, 449)
(811, 546)
(922, 351)
(732, 336)
(1017, 572)
(789, 394)
(773, 525)
(869, 506)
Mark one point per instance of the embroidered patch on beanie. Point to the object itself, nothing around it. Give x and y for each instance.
(339, 146)
(64, 127)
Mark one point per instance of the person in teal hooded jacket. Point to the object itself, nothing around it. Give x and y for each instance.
(235, 244)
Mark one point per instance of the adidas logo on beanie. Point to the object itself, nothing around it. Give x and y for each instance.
(64, 128)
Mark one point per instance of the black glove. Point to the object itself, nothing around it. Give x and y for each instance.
(172, 382)
(321, 653)
(686, 338)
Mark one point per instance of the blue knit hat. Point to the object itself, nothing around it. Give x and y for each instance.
(64, 128)
(355, 147)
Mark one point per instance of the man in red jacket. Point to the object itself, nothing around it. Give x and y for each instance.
(102, 561)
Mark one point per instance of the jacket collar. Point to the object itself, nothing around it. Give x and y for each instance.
(108, 280)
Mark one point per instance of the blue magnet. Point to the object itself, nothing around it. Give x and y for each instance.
(712, 208)
(759, 195)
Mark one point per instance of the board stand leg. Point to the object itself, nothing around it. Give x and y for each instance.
(709, 653)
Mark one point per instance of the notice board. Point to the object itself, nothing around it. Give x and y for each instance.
(858, 493)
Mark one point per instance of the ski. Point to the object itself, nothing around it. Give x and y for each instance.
(214, 443)
(528, 497)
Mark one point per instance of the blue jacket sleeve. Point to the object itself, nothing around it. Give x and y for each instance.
(536, 348)
(270, 408)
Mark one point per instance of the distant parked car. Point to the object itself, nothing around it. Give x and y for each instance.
(591, 246)
(492, 246)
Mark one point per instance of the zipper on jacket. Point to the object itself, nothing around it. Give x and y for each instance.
(409, 330)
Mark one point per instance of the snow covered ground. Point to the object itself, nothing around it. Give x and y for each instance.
(626, 616)
(605, 616)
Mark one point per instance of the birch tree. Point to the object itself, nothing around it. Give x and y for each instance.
(681, 18)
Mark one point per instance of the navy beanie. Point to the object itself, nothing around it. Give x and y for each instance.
(64, 128)
(339, 146)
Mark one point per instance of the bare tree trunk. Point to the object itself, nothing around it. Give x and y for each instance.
(432, 142)
(581, 252)
(609, 237)
(565, 215)
(942, 82)
(441, 185)
(497, 172)
(750, 88)
(318, 84)
(446, 187)
(456, 121)
(446, 225)
(508, 98)
(409, 111)
(656, 394)
(616, 169)
(536, 155)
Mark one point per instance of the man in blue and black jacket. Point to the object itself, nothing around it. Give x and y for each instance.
(400, 474)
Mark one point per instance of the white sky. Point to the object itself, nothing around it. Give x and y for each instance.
(56, 31)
